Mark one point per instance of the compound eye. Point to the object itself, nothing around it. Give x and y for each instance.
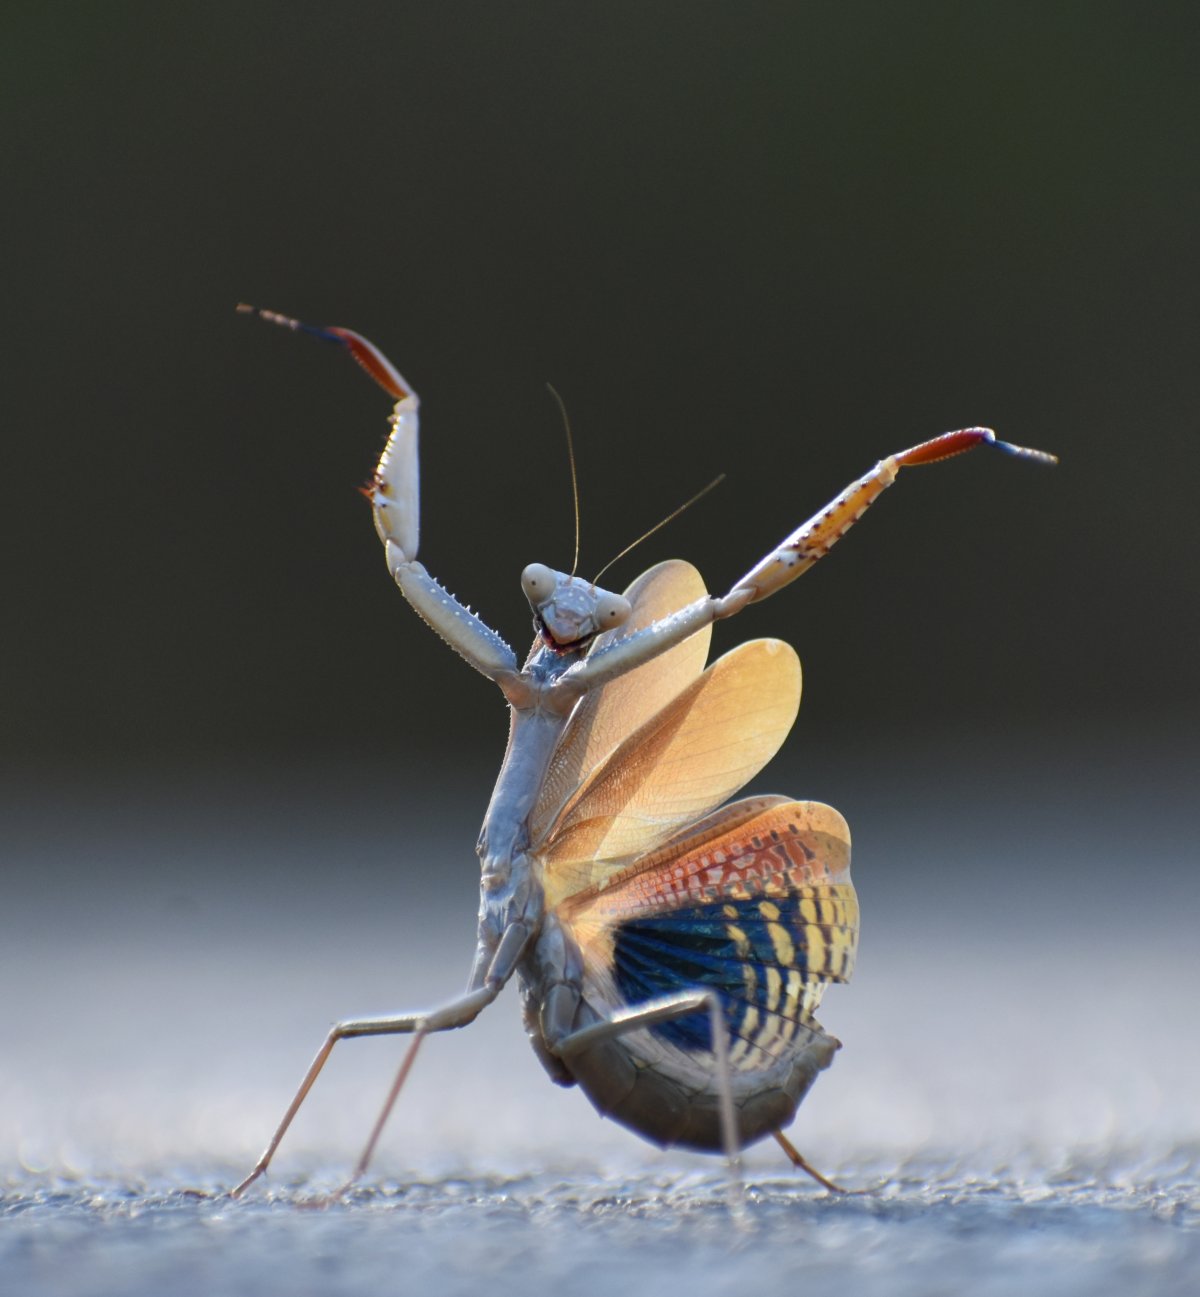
(538, 583)
(612, 610)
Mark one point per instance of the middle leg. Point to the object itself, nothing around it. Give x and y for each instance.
(458, 1013)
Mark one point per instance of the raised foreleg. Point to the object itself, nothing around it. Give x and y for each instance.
(394, 493)
(815, 538)
(792, 557)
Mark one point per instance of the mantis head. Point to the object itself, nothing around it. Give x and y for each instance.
(568, 610)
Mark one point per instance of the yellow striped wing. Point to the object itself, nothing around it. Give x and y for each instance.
(756, 903)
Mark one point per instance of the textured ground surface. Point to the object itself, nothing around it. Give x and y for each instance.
(932, 1229)
(1019, 1076)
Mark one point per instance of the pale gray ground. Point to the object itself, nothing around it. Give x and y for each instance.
(1019, 1077)
(936, 1229)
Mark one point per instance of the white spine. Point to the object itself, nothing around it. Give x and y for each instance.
(396, 494)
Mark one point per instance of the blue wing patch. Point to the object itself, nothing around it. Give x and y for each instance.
(769, 959)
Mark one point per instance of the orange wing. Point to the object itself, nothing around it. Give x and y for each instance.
(691, 755)
(606, 717)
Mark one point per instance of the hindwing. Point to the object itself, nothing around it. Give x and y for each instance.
(755, 902)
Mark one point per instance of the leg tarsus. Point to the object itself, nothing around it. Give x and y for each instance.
(957, 443)
(799, 1161)
(366, 353)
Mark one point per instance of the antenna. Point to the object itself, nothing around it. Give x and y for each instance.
(562, 409)
(658, 526)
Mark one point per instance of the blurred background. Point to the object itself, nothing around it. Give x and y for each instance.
(242, 783)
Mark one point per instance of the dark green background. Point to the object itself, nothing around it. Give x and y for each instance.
(778, 240)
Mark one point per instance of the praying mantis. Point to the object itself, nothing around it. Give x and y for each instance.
(671, 948)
